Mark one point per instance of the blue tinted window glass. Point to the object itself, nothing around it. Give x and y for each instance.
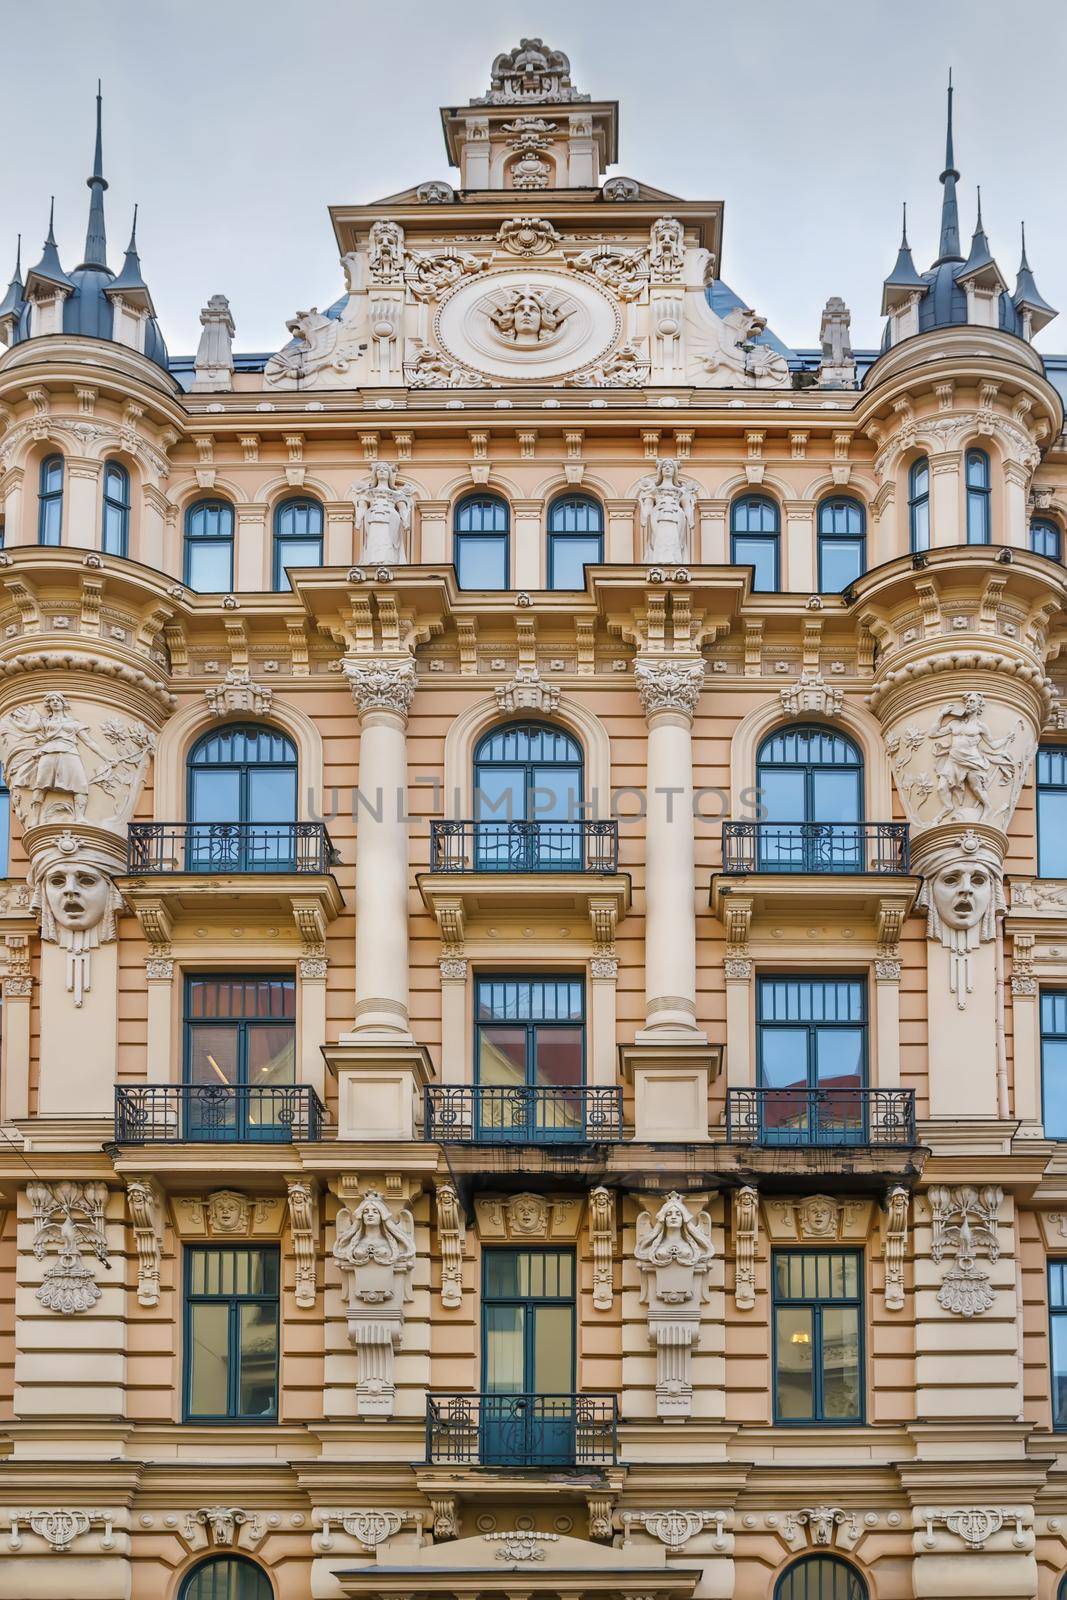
(1054, 1061)
(575, 539)
(1051, 768)
(919, 504)
(1046, 539)
(762, 554)
(297, 538)
(480, 543)
(50, 501)
(209, 547)
(978, 512)
(116, 508)
(226, 1578)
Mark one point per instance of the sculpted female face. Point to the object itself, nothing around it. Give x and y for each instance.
(527, 314)
(962, 893)
(77, 895)
(673, 1215)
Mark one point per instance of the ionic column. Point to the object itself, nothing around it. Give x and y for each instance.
(382, 688)
(669, 690)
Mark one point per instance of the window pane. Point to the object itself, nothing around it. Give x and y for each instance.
(215, 795)
(553, 1354)
(836, 797)
(257, 1380)
(271, 795)
(501, 1055)
(568, 558)
(1045, 539)
(227, 1578)
(504, 1327)
(762, 554)
(783, 1057)
(839, 1057)
(271, 1057)
(1051, 831)
(481, 563)
(558, 1056)
(1054, 1073)
(1059, 1370)
(208, 1357)
(794, 1389)
(51, 520)
(209, 567)
(840, 563)
(212, 1053)
(841, 1363)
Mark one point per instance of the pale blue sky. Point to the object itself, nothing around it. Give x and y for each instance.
(236, 123)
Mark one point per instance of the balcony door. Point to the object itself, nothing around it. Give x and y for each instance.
(528, 1407)
(810, 784)
(527, 800)
(242, 802)
(529, 1067)
(240, 1057)
(812, 1048)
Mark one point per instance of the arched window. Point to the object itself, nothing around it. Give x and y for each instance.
(919, 504)
(821, 1578)
(1046, 538)
(842, 544)
(810, 784)
(226, 1578)
(754, 539)
(480, 542)
(575, 539)
(297, 538)
(978, 521)
(209, 547)
(242, 801)
(50, 501)
(528, 785)
(116, 540)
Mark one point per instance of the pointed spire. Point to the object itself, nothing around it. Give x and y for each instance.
(1027, 299)
(980, 268)
(949, 249)
(95, 234)
(903, 280)
(12, 303)
(129, 284)
(48, 272)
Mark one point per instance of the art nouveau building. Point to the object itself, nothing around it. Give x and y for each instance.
(535, 932)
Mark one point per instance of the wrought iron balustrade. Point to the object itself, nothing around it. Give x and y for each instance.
(208, 1113)
(524, 847)
(522, 1430)
(521, 1114)
(816, 847)
(224, 847)
(801, 1118)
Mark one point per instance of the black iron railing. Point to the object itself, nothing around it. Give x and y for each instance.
(803, 1118)
(498, 1114)
(522, 1430)
(856, 847)
(220, 847)
(524, 847)
(204, 1113)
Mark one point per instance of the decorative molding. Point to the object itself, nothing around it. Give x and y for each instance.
(601, 1509)
(746, 1238)
(222, 1523)
(675, 1528)
(69, 1216)
(673, 1252)
(528, 1216)
(975, 1525)
(238, 693)
(146, 1218)
(371, 1527)
(60, 1527)
(381, 684)
(964, 1222)
(303, 1201)
(894, 1245)
(668, 685)
(375, 1251)
(521, 1545)
(445, 1512)
(820, 1523)
(527, 691)
(452, 1238)
(811, 695)
(602, 1242)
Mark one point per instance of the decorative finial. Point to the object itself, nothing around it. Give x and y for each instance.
(1024, 265)
(95, 233)
(50, 237)
(904, 245)
(950, 222)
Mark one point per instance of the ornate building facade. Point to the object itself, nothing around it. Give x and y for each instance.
(534, 938)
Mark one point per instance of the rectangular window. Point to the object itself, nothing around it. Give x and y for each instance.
(812, 1053)
(818, 1336)
(530, 1057)
(761, 553)
(1051, 772)
(240, 1055)
(231, 1334)
(528, 1357)
(1054, 1062)
(1057, 1316)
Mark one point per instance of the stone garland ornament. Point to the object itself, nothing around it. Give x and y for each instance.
(964, 1222)
(623, 271)
(431, 272)
(528, 236)
(962, 893)
(521, 1544)
(69, 1216)
(375, 1251)
(384, 515)
(667, 506)
(43, 749)
(673, 1252)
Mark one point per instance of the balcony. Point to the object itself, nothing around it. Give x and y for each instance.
(563, 870)
(222, 848)
(497, 1114)
(524, 1431)
(852, 848)
(524, 847)
(205, 1113)
(823, 1119)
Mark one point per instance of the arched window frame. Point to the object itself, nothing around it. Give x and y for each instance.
(540, 826)
(115, 521)
(229, 828)
(563, 539)
(199, 538)
(979, 494)
(302, 542)
(757, 545)
(1046, 538)
(845, 1582)
(853, 537)
(50, 501)
(257, 1588)
(826, 833)
(919, 505)
(481, 538)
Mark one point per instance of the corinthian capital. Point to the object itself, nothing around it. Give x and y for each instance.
(382, 684)
(669, 685)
